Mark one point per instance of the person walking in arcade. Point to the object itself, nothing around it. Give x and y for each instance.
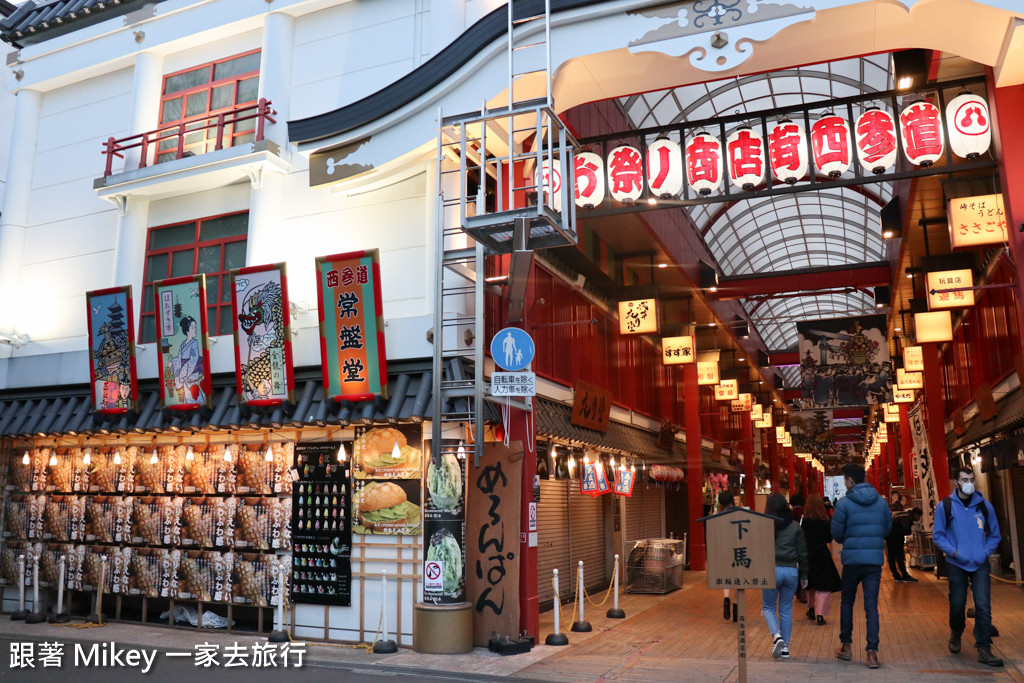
(861, 522)
(967, 531)
(790, 572)
(822, 577)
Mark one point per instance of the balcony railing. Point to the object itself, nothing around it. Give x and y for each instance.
(194, 136)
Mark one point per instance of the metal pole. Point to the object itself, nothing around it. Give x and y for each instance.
(384, 645)
(581, 626)
(615, 612)
(557, 638)
(279, 635)
(22, 612)
(60, 617)
(36, 616)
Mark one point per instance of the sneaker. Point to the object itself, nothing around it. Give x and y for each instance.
(810, 613)
(910, 579)
(954, 642)
(901, 579)
(985, 656)
(785, 651)
(778, 645)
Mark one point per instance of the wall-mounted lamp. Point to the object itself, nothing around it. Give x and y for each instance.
(892, 220)
(909, 69)
(15, 340)
(883, 296)
(708, 277)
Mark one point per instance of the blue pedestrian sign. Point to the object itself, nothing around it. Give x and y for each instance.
(512, 349)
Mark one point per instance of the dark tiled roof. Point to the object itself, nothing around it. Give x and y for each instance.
(68, 410)
(6, 8)
(1010, 416)
(554, 419)
(40, 19)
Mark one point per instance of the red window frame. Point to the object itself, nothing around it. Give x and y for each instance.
(218, 304)
(200, 142)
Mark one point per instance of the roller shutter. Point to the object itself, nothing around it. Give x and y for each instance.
(654, 512)
(553, 539)
(586, 524)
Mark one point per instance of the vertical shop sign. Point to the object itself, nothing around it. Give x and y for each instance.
(923, 469)
(352, 350)
(183, 342)
(263, 341)
(321, 527)
(444, 525)
(492, 534)
(112, 376)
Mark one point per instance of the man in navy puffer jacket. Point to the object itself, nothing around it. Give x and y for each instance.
(968, 537)
(861, 522)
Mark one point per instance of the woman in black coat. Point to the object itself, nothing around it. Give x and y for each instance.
(822, 577)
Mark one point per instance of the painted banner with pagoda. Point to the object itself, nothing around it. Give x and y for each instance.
(112, 377)
(844, 362)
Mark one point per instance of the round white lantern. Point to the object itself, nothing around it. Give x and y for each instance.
(969, 124)
(876, 140)
(787, 151)
(589, 179)
(921, 129)
(664, 168)
(830, 143)
(704, 163)
(745, 153)
(625, 174)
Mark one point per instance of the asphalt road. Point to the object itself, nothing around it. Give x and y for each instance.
(183, 669)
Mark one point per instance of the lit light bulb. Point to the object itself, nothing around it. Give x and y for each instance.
(461, 454)
(153, 459)
(632, 468)
(342, 455)
(269, 455)
(612, 461)
(87, 457)
(586, 459)
(190, 454)
(117, 457)
(25, 459)
(53, 458)
(227, 453)
(396, 452)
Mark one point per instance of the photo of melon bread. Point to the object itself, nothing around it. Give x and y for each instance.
(386, 452)
(384, 508)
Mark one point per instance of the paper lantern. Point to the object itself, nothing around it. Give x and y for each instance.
(787, 151)
(745, 153)
(830, 142)
(678, 350)
(969, 124)
(589, 178)
(935, 326)
(921, 128)
(625, 174)
(876, 140)
(664, 168)
(707, 373)
(704, 163)
(913, 359)
(550, 181)
(727, 390)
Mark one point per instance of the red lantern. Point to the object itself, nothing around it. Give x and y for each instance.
(664, 168)
(704, 163)
(830, 142)
(746, 158)
(625, 174)
(589, 179)
(970, 129)
(876, 140)
(921, 128)
(787, 151)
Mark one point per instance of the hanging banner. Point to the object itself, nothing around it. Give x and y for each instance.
(624, 482)
(111, 326)
(913, 359)
(492, 532)
(183, 342)
(351, 326)
(976, 221)
(263, 340)
(924, 472)
(444, 527)
(321, 526)
(844, 361)
(812, 432)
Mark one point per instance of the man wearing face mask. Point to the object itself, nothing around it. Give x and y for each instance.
(967, 531)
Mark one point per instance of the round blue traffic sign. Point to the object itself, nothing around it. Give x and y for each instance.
(512, 349)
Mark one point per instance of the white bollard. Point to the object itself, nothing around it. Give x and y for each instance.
(59, 617)
(22, 612)
(557, 638)
(36, 616)
(279, 635)
(582, 625)
(384, 646)
(615, 612)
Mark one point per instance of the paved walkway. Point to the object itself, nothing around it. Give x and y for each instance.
(676, 637)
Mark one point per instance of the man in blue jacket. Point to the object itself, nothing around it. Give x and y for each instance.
(860, 522)
(967, 531)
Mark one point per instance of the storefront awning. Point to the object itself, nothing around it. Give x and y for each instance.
(1010, 415)
(554, 420)
(68, 410)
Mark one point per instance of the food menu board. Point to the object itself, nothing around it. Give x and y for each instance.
(321, 526)
(444, 514)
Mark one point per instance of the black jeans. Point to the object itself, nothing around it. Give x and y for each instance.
(897, 557)
(871, 576)
(981, 586)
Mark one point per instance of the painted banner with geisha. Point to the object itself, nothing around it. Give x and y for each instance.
(351, 326)
(184, 347)
(112, 376)
(844, 362)
(263, 347)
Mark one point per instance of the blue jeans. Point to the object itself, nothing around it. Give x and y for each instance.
(782, 595)
(871, 576)
(981, 586)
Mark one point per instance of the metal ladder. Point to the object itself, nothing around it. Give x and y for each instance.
(476, 153)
